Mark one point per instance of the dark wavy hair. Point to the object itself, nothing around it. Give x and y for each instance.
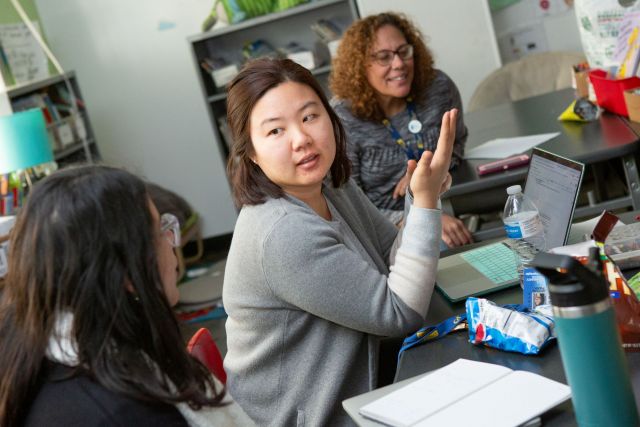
(348, 78)
(249, 185)
(84, 243)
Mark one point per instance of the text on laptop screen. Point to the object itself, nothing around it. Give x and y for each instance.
(553, 183)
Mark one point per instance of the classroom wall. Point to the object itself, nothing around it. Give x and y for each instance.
(136, 74)
(526, 27)
(459, 33)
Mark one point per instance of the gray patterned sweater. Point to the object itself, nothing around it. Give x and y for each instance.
(308, 299)
(378, 161)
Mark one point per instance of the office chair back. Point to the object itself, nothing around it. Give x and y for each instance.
(535, 74)
(204, 348)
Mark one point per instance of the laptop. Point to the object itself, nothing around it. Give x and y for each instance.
(552, 183)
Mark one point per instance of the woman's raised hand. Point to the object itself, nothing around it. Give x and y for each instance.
(430, 173)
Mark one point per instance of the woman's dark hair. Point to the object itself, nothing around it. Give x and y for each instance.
(84, 244)
(348, 78)
(250, 186)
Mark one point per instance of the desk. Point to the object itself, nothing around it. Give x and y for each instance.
(433, 355)
(607, 138)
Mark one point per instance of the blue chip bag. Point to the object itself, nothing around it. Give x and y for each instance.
(510, 328)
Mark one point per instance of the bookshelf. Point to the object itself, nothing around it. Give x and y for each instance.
(278, 30)
(71, 137)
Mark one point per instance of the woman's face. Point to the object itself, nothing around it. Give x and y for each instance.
(392, 80)
(167, 260)
(293, 138)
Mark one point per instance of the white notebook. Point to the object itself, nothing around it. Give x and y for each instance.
(466, 392)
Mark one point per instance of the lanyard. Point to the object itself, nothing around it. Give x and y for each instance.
(415, 127)
(454, 323)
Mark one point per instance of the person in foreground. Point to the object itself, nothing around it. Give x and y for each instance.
(315, 274)
(391, 100)
(87, 333)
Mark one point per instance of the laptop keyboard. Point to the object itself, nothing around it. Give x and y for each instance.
(496, 262)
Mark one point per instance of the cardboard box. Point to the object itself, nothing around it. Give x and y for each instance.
(632, 101)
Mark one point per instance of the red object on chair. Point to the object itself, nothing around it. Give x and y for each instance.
(204, 348)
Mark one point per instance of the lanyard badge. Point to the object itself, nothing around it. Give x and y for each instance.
(414, 127)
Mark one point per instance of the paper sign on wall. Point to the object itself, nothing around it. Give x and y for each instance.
(26, 59)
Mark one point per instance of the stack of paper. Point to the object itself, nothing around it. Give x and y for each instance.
(500, 148)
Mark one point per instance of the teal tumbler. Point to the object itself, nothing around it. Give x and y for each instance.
(590, 345)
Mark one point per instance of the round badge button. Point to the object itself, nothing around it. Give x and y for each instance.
(415, 126)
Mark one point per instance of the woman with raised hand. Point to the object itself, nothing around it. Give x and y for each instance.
(87, 332)
(316, 275)
(391, 99)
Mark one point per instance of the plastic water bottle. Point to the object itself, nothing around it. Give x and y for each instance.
(524, 228)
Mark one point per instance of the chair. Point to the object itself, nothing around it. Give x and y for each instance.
(532, 75)
(190, 231)
(204, 348)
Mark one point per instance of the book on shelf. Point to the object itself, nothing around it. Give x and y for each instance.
(329, 32)
(327, 29)
(470, 393)
(257, 49)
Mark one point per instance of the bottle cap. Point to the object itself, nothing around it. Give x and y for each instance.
(514, 189)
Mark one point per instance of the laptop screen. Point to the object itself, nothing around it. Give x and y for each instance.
(553, 183)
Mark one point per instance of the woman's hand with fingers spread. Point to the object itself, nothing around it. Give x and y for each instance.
(431, 172)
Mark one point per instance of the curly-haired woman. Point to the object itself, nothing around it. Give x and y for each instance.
(391, 101)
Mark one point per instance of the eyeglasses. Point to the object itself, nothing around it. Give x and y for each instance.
(170, 228)
(385, 56)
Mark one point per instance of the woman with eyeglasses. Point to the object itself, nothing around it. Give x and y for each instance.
(391, 100)
(87, 332)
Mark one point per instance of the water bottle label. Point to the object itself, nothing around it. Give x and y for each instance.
(513, 231)
(523, 228)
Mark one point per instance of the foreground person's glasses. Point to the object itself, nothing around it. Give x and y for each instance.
(170, 228)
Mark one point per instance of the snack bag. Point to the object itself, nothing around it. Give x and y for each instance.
(510, 328)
